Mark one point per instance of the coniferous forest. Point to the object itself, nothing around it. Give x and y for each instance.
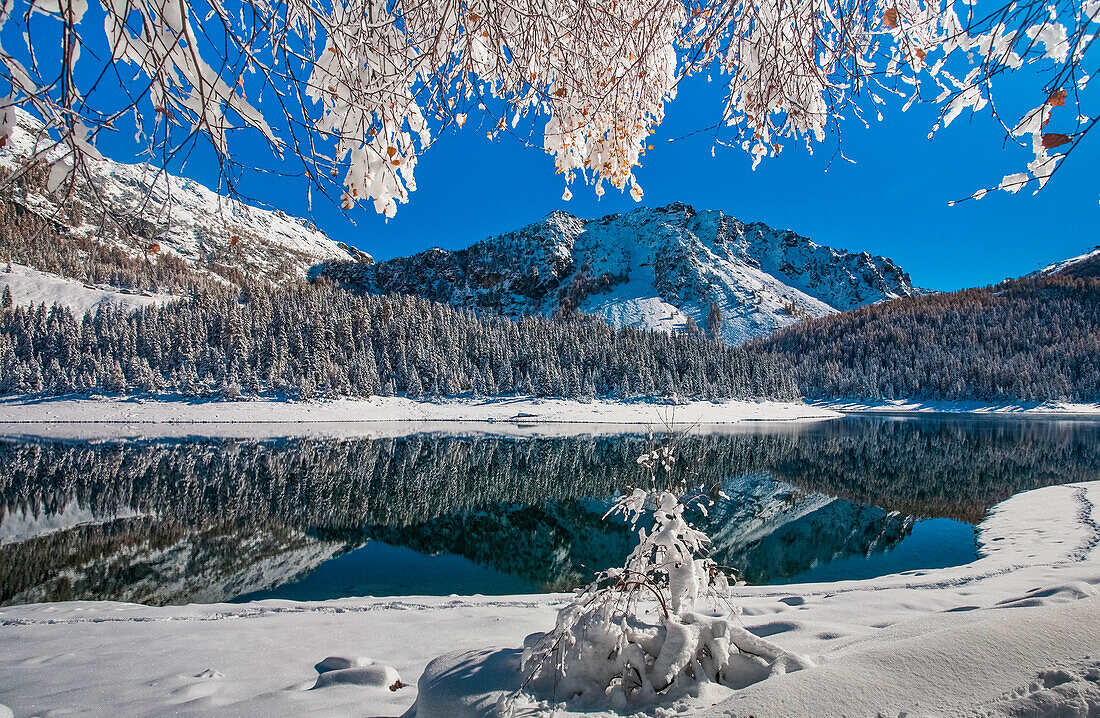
(316, 340)
(1033, 339)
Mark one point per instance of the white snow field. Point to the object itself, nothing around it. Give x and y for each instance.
(907, 406)
(30, 286)
(1015, 633)
(378, 409)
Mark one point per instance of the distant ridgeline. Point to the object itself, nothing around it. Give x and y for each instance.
(308, 341)
(1036, 338)
(670, 267)
(135, 226)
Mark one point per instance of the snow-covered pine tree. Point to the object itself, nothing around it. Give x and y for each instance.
(414, 388)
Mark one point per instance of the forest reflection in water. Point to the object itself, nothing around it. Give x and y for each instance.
(177, 521)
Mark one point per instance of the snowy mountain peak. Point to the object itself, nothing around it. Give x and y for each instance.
(662, 267)
(148, 209)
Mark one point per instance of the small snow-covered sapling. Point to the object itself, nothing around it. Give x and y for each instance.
(656, 626)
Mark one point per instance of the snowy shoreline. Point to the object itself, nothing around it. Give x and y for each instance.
(1008, 634)
(508, 411)
(507, 414)
(907, 406)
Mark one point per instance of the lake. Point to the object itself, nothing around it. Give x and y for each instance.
(174, 521)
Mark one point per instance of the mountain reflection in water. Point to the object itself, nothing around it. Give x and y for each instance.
(164, 522)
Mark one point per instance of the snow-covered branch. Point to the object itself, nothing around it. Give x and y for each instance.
(359, 89)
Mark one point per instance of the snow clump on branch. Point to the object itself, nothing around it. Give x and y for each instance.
(357, 90)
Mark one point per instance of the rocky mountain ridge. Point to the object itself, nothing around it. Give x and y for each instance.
(1085, 265)
(671, 267)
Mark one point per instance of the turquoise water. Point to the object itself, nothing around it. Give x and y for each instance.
(932, 543)
(379, 569)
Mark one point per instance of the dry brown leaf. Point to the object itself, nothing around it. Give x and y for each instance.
(1055, 139)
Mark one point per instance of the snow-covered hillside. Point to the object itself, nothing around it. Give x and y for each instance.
(654, 268)
(1086, 265)
(151, 211)
(29, 286)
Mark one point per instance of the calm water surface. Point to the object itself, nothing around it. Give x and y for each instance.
(181, 521)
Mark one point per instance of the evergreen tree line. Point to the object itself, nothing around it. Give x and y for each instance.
(1032, 339)
(317, 340)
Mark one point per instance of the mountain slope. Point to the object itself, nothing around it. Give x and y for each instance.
(1030, 339)
(653, 268)
(143, 211)
(1086, 265)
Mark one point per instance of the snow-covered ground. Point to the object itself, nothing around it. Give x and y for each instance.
(1025, 408)
(515, 410)
(30, 286)
(121, 417)
(1017, 633)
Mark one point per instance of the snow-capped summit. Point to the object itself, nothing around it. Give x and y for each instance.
(655, 268)
(151, 210)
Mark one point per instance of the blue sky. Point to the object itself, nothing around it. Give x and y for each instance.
(892, 201)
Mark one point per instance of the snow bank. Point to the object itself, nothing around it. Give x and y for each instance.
(906, 406)
(29, 286)
(375, 412)
(1014, 633)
